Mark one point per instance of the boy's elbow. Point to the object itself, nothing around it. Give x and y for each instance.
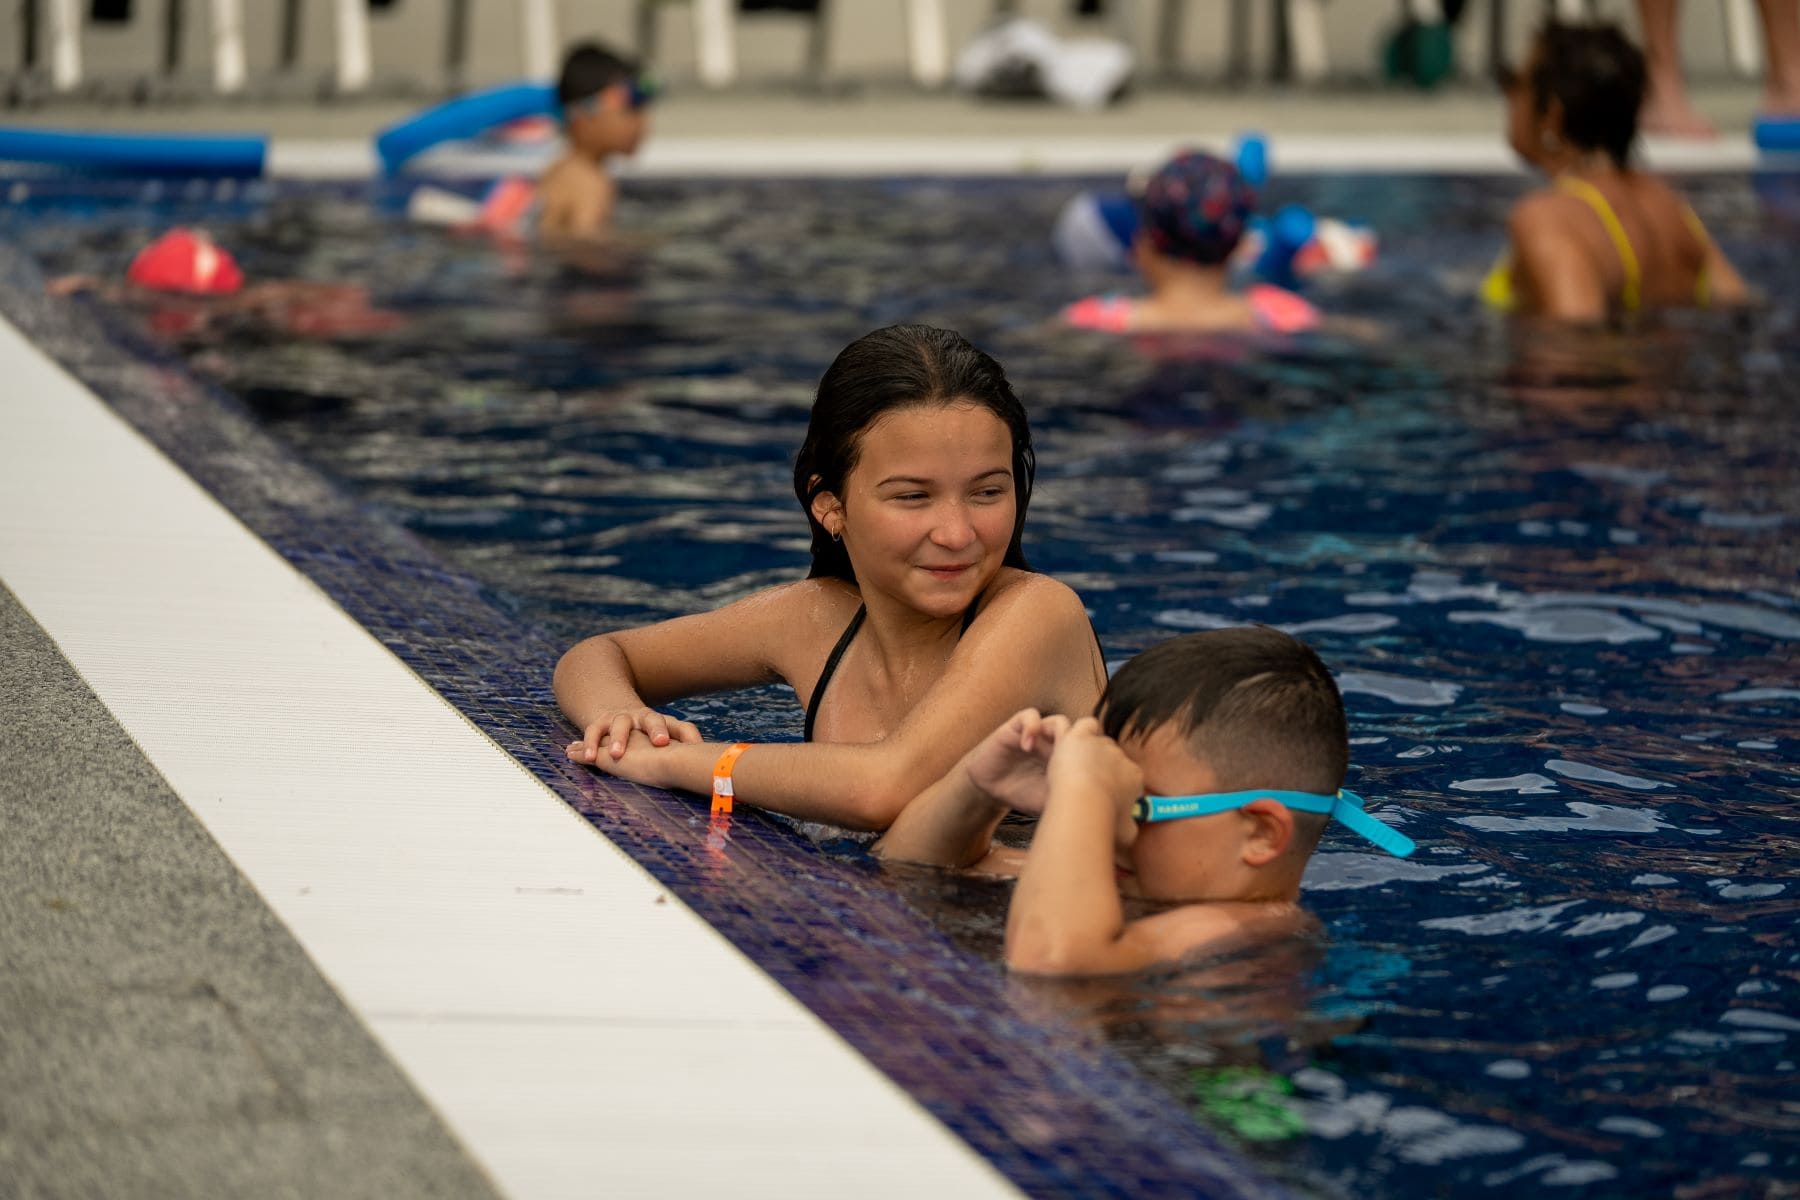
(1040, 951)
(1044, 959)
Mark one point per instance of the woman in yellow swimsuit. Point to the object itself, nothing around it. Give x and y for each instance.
(1603, 239)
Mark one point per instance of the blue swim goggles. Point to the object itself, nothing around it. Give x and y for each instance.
(1345, 807)
(640, 90)
(644, 89)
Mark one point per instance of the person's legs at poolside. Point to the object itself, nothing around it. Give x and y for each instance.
(1667, 109)
(1781, 44)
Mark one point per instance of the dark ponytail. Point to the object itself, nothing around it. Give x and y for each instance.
(902, 366)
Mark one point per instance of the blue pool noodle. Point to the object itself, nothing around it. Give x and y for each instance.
(136, 153)
(1283, 236)
(1253, 158)
(1781, 134)
(463, 117)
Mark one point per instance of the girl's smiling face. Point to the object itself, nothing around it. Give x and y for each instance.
(929, 509)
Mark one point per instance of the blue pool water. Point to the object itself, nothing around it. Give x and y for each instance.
(1558, 578)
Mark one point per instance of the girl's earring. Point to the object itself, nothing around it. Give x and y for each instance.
(837, 536)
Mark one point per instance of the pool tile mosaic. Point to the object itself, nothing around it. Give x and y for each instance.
(1047, 1103)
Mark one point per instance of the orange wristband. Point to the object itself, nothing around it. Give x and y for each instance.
(721, 798)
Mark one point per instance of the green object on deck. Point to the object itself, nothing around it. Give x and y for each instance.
(1420, 53)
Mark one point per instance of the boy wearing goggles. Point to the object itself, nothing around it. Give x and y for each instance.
(603, 99)
(1212, 769)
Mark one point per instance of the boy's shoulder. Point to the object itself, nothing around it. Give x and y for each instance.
(1216, 927)
(1185, 931)
(575, 170)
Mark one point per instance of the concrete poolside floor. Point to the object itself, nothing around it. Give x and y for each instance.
(880, 111)
(164, 1033)
(892, 129)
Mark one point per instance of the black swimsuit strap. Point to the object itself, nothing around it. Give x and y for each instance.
(831, 666)
(837, 654)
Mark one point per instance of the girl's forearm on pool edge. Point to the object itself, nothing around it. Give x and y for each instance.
(593, 679)
(857, 787)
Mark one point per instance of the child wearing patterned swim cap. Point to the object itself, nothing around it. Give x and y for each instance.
(1192, 213)
(1197, 207)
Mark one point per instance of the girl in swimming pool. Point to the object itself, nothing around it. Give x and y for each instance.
(1603, 238)
(1191, 216)
(919, 628)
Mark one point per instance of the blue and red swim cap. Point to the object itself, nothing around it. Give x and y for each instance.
(1196, 207)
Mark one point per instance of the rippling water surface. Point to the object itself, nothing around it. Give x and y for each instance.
(1558, 577)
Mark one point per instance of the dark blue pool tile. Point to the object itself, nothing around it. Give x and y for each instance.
(1047, 1103)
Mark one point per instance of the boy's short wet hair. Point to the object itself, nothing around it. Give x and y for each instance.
(589, 69)
(1598, 77)
(1255, 704)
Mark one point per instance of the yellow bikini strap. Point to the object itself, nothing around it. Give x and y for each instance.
(1703, 281)
(1631, 294)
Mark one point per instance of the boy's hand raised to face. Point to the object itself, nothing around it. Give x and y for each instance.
(1008, 765)
(1085, 762)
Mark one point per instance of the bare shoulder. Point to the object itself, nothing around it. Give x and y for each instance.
(1215, 928)
(1016, 594)
(1657, 191)
(785, 615)
(574, 174)
(792, 620)
(1543, 211)
(824, 602)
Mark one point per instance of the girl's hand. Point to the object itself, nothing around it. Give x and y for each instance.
(1087, 762)
(613, 732)
(652, 770)
(1008, 765)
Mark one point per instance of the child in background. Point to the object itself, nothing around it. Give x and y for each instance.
(1604, 239)
(1193, 213)
(1238, 737)
(190, 285)
(602, 98)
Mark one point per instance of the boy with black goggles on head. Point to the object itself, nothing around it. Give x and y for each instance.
(1214, 765)
(603, 98)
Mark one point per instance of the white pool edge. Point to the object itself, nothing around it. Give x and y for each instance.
(578, 1029)
(678, 156)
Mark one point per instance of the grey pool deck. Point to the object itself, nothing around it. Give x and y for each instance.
(165, 1034)
(889, 128)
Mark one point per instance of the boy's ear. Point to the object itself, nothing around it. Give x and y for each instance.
(1269, 828)
(828, 511)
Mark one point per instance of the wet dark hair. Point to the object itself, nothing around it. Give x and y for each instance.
(1256, 704)
(589, 69)
(1598, 77)
(902, 366)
